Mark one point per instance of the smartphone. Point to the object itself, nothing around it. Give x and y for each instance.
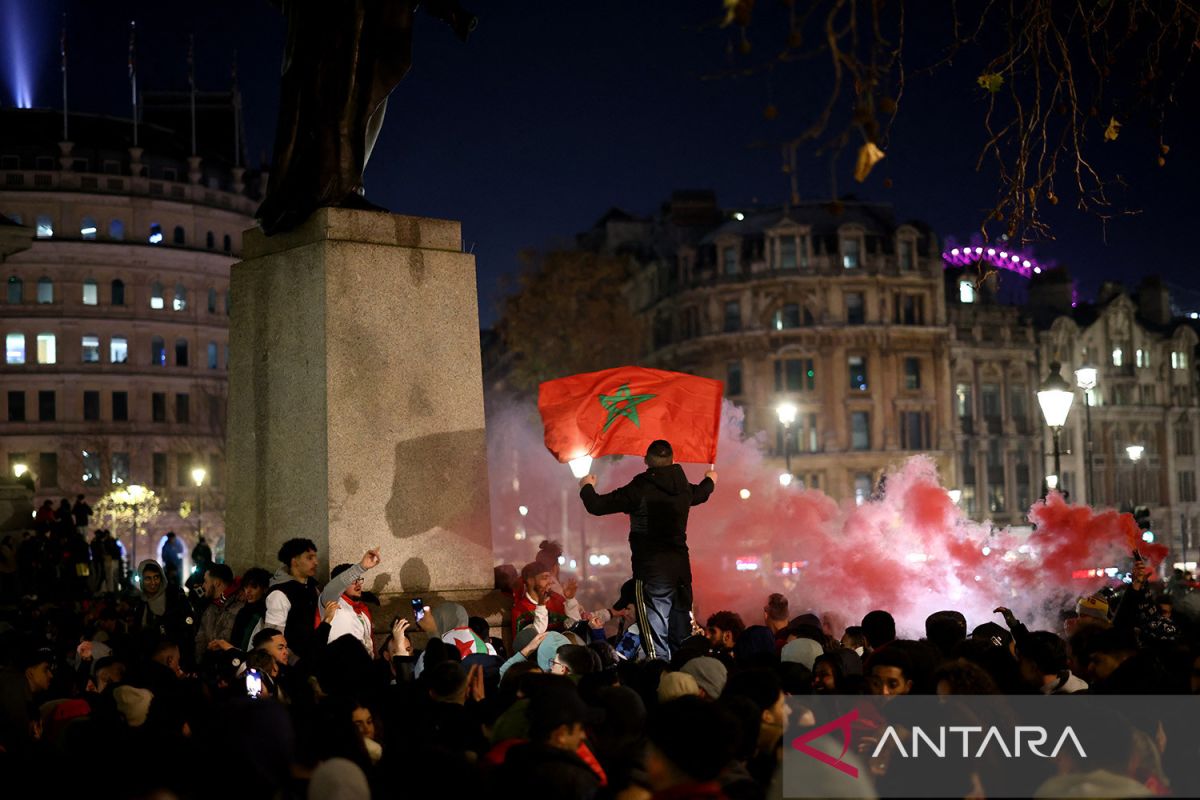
(253, 683)
(418, 606)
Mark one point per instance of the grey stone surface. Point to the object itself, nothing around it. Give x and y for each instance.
(356, 401)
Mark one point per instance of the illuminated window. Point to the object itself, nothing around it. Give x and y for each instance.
(1118, 357)
(14, 348)
(156, 234)
(862, 489)
(179, 303)
(1179, 360)
(91, 293)
(46, 350)
(90, 349)
(787, 317)
(966, 292)
(156, 295)
(87, 228)
(1142, 358)
(850, 253)
(45, 227)
(118, 350)
(120, 468)
(91, 468)
(857, 366)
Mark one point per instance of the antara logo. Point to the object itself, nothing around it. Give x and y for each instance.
(1031, 737)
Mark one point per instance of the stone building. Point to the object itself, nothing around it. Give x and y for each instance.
(115, 315)
(837, 310)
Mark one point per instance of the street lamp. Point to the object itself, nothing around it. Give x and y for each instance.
(955, 495)
(785, 479)
(19, 470)
(787, 415)
(1085, 378)
(198, 475)
(1055, 397)
(135, 493)
(1135, 452)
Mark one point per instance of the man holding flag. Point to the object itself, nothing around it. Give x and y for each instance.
(632, 411)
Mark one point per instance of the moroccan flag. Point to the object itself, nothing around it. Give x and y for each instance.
(621, 411)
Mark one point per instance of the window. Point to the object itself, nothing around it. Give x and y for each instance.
(1179, 359)
(181, 352)
(116, 230)
(793, 438)
(118, 292)
(120, 406)
(912, 373)
(862, 488)
(1018, 402)
(795, 375)
(860, 430)
(968, 462)
(857, 366)
(47, 407)
(1118, 356)
(156, 295)
(45, 227)
(158, 352)
(46, 350)
(160, 469)
(179, 301)
(911, 310)
(733, 372)
(16, 406)
(966, 292)
(996, 503)
(212, 355)
(90, 349)
(963, 402)
(91, 467)
(91, 406)
(729, 261)
(227, 244)
(1184, 445)
(1187, 486)
(787, 317)
(855, 312)
(908, 255)
(733, 317)
(914, 430)
(990, 396)
(120, 468)
(156, 234)
(158, 407)
(91, 294)
(787, 252)
(178, 236)
(210, 241)
(48, 469)
(814, 444)
(87, 228)
(118, 350)
(850, 253)
(1142, 358)
(45, 290)
(212, 301)
(183, 469)
(182, 408)
(15, 290)
(14, 348)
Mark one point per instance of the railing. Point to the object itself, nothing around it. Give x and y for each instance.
(103, 183)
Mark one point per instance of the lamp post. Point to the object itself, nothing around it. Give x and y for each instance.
(1085, 378)
(134, 495)
(1055, 397)
(787, 415)
(1135, 453)
(198, 475)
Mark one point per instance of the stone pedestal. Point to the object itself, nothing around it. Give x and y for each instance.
(356, 404)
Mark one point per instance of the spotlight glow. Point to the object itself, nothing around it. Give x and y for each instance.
(20, 56)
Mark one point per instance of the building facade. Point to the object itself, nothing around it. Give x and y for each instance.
(837, 311)
(115, 313)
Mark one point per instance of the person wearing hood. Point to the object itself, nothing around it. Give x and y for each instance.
(345, 588)
(451, 623)
(292, 602)
(162, 611)
(657, 502)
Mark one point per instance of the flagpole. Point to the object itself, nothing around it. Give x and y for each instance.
(62, 47)
(192, 84)
(133, 76)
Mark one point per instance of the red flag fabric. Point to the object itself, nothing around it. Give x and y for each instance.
(621, 411)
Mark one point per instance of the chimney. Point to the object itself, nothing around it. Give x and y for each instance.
(1154, 301)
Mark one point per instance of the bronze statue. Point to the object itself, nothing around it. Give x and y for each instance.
(341, 61)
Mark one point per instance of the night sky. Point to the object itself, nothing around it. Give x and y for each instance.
(556, 111)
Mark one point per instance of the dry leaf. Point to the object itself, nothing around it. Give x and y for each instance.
(868, 156)
(1113, 130)
(990, 81)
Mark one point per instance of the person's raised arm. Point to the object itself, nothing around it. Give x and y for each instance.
(702, 490)
(619, 501)
(334, 589)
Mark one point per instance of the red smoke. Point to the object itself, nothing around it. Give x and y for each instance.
(910, 551)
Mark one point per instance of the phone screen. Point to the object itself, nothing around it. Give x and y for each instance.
(418, 608)
(253, 683)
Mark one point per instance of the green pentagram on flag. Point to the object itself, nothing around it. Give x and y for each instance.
(622, 403)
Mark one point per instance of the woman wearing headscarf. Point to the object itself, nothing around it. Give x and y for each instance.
(163, 611)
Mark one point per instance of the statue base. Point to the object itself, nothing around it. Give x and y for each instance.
(356, 405)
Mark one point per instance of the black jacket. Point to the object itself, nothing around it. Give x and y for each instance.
(657, 502)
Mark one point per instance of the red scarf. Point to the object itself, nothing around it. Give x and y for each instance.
(359, 607)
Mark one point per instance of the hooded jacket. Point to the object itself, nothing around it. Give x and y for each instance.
(657, 502)
(292, 607)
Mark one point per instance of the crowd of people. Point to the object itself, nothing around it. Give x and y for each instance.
(270, 684)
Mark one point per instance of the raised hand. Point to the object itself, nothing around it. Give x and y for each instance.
(330, 609)
(370, 558)
(400, 645)
(475, 690)
(531, 648)
(587, 480)
(711, 475)
(571, 587)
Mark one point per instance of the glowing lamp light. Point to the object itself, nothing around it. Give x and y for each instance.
(991, 251)
(562, 560)
(523, 510)
(955, 495)
(954, 252)
(580, 466)
(1037, 270)
(1135, 452)
(198, 475)
(20, 469)
(1003, 254)
(1026, 264)
(785, 479)
(987, 551)
(572, 563)
(155, 238)
(744, 494)
(786, 413)
(1148, 537)
(746, 564)
(978, 250)
(1018, 258)
(88, 231)
(1055, 397)
(1085, 377)
(917, 558)
(1051, 482)
(739, 216)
